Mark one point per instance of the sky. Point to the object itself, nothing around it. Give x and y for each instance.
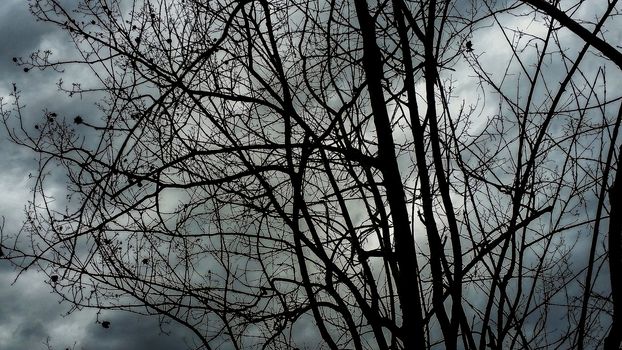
(30, 313)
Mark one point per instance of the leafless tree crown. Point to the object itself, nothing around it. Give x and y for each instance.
(344, 174)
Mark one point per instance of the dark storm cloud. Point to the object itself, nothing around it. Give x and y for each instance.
(30, 314)
(17, 39)
(27, 312)
(19, 34)
(133, 332)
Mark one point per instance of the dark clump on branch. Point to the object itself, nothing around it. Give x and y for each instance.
(469, 46)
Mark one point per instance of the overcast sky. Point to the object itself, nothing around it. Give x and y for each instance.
(29, 312)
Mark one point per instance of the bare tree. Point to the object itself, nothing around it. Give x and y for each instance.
(360, 170)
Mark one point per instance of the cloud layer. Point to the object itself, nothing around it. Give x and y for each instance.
(30, 313)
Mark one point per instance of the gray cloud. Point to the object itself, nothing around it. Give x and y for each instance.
(29, 312)
(133, 332)
(20, 33)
